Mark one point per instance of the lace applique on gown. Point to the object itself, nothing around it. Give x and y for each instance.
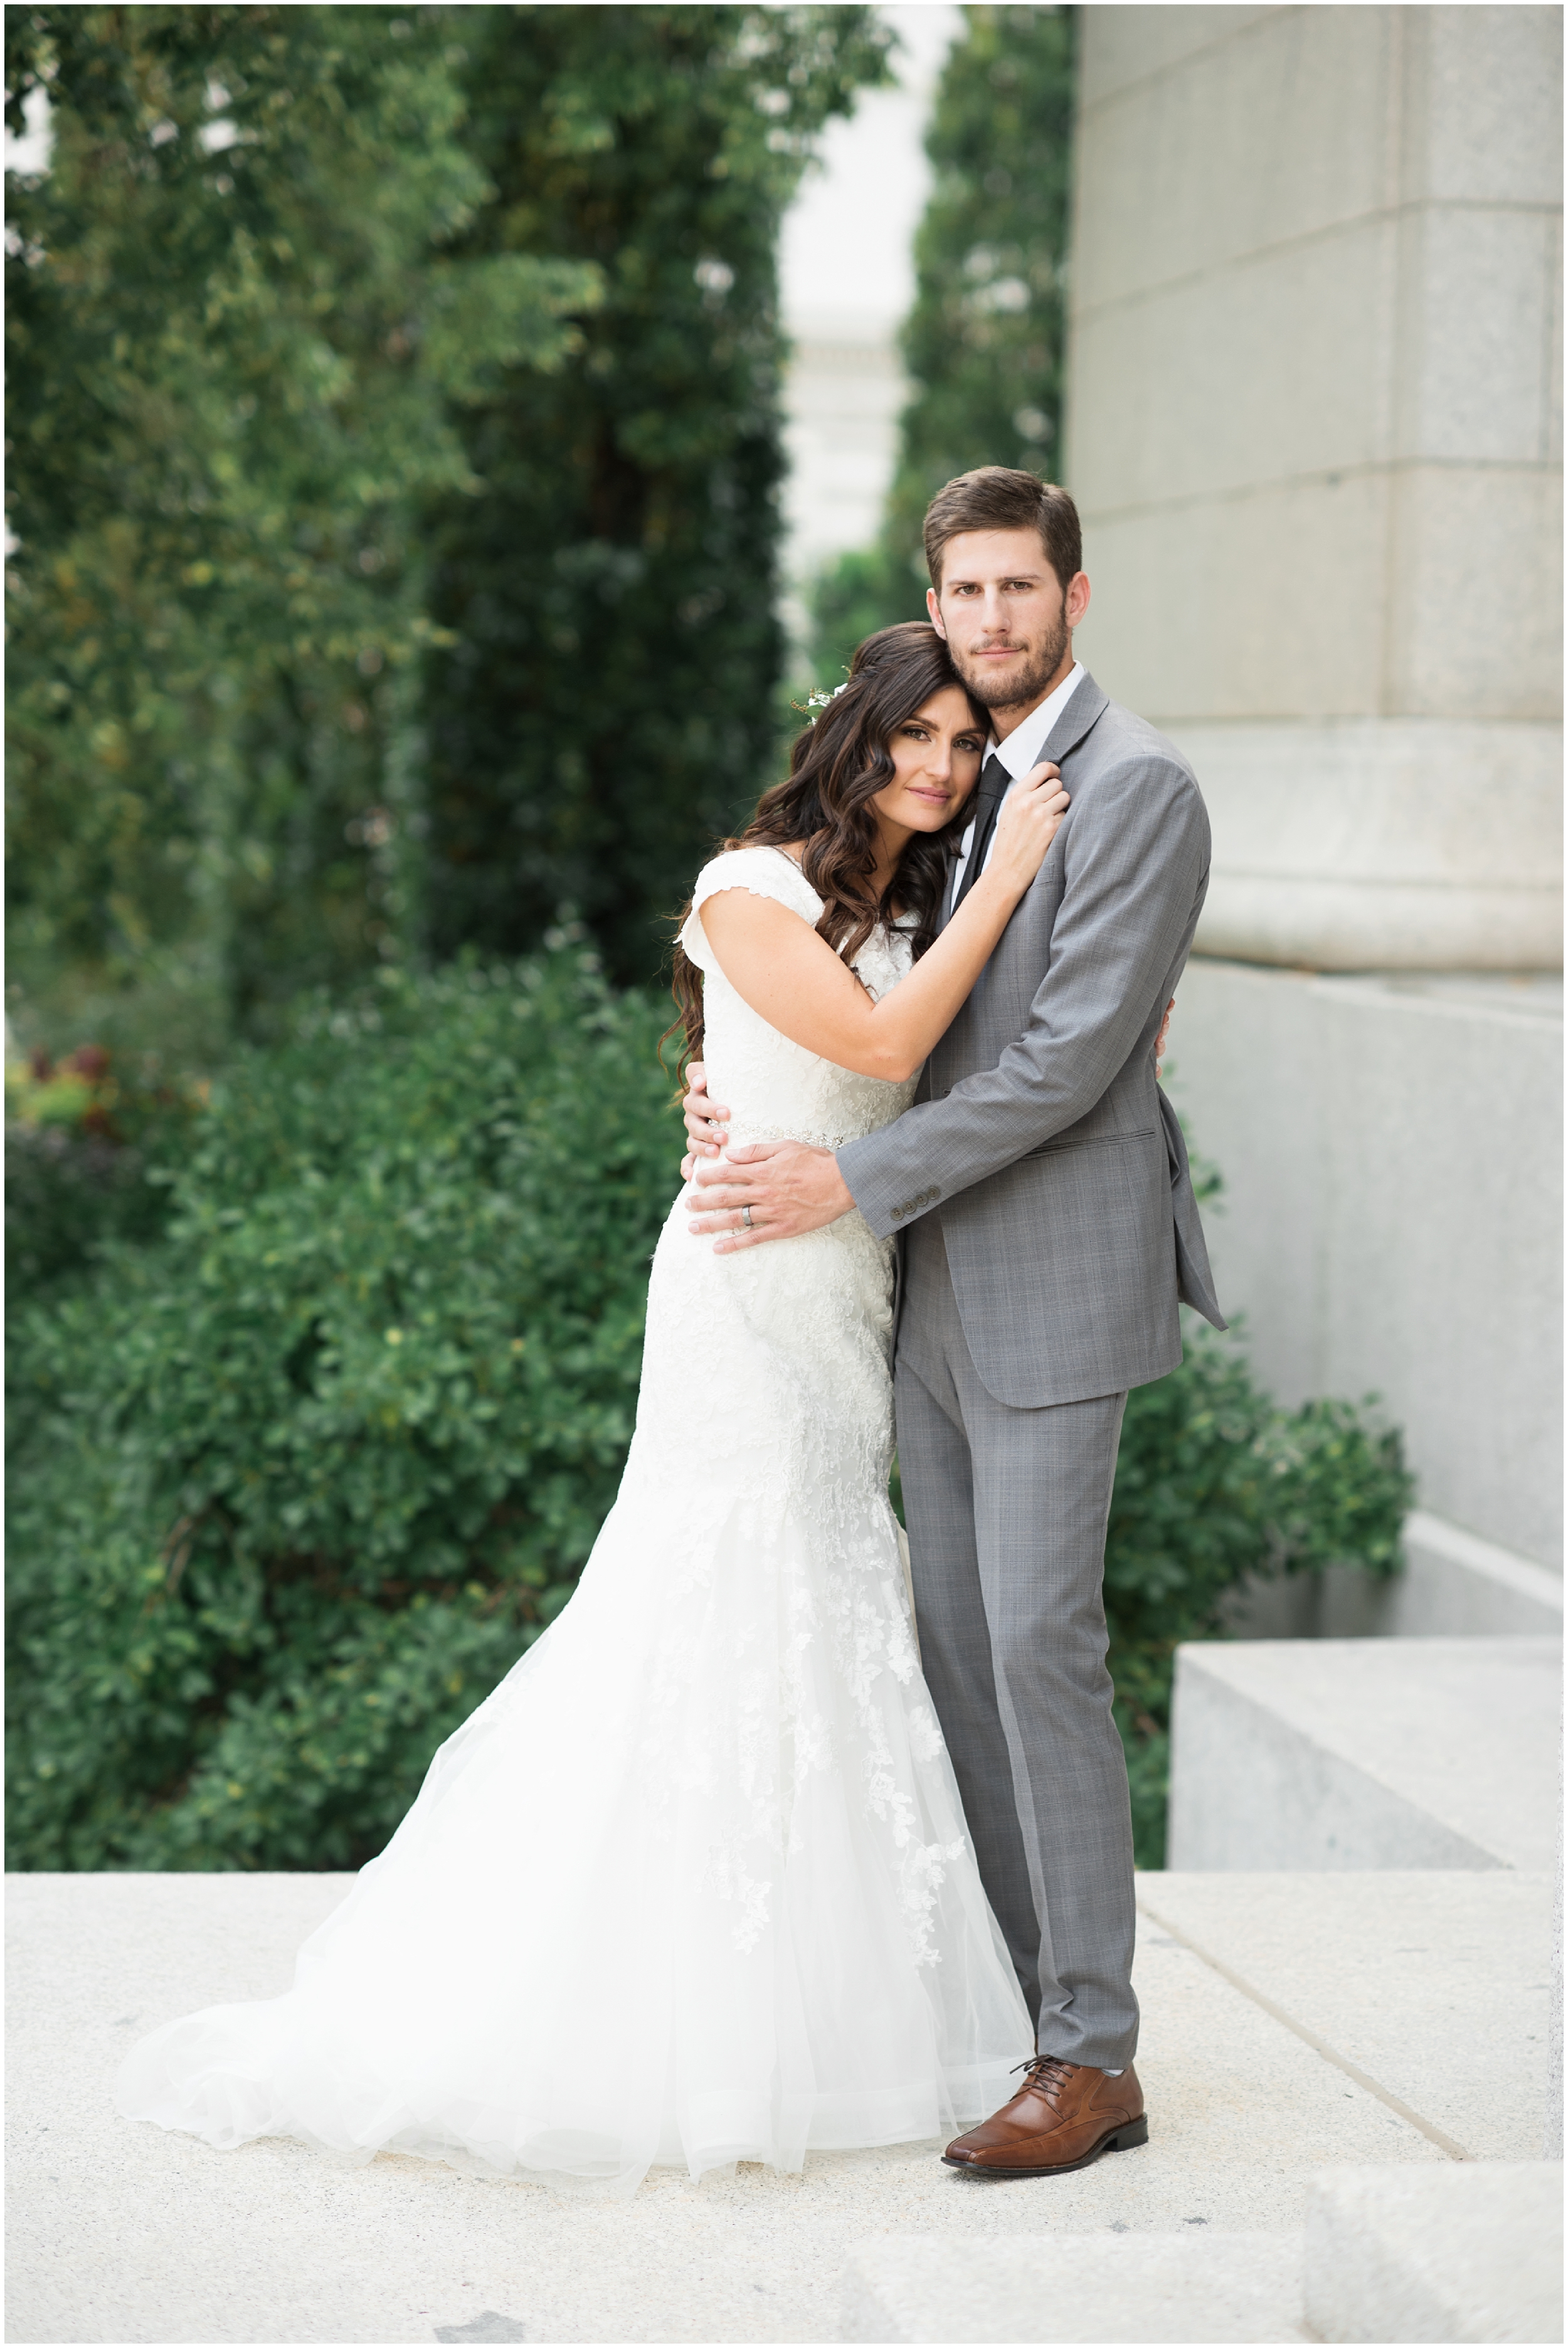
(693, 1884)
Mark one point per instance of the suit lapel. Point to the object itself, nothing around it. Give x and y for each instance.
(1084, 710)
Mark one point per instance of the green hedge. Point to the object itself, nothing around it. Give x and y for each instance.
(89, 1141)
(296, 1486)
(296, 1478)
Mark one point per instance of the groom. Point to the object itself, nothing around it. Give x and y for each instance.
(1040, 1190)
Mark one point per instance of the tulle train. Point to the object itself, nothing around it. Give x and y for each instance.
(693, 1885)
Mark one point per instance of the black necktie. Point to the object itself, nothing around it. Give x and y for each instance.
(994, 781)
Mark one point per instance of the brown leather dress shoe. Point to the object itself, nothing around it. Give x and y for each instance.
(1063, 2116)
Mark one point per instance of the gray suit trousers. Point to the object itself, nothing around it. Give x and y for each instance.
(1007, 1511)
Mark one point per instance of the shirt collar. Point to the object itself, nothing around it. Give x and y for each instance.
(1025, 744)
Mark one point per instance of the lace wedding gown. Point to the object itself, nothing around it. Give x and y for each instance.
(693, 1884)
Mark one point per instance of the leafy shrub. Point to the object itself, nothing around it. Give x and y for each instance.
(87, 1145)
(298, 1483)
(1214, 1482)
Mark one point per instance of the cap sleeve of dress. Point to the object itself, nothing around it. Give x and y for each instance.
(762, 872)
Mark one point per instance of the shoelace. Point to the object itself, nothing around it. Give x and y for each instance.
(1046, 2074)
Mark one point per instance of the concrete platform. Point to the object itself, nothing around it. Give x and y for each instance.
(1453, 1585)
(1392, 1975)
(118, 2232)
(1456, 1585)
(1365, 1752)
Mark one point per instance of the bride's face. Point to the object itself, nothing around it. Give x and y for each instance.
(936, 756)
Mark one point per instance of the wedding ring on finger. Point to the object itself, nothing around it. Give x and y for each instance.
(745, 1219)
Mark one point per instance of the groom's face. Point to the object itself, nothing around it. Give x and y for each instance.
(1006, 615)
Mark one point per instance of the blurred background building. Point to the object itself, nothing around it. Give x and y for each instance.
(846, 281)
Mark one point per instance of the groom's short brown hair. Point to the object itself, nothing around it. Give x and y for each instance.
(996, 496)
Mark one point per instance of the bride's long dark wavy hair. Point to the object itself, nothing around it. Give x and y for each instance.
(836, 768)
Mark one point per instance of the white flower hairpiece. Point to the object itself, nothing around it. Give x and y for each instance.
(820, 700)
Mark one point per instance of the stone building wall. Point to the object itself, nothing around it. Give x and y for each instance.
(1314, 430)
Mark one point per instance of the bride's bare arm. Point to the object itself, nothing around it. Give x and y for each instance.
(791, 978)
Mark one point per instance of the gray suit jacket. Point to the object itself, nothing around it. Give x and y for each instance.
(1038, 1128)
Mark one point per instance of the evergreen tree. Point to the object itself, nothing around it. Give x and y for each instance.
(236, 331)
(607, 705)
(984, 343)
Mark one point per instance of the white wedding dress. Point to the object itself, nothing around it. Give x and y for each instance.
(693, 1885)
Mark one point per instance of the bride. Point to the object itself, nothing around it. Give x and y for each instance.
(693, 1885)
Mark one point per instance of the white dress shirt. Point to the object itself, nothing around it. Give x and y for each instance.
(1023, 748)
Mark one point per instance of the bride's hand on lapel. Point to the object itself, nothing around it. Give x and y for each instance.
(1029, 820)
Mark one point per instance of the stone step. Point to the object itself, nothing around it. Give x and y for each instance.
(1365, 1752)
(1087, 2287)
(1458, 2252)
(1461, 2253)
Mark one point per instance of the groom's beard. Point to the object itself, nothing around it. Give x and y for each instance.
(1025, 686)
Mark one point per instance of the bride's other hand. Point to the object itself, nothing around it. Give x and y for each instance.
(1160, 1040)
(1029, 822)
(707, 1122)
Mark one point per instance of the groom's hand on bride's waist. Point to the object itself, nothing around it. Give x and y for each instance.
(766, 1190)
